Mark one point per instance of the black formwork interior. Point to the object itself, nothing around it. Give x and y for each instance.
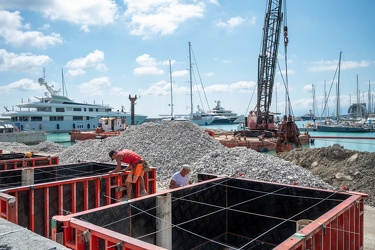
(223, 213)
(45, 174)
(11, 183)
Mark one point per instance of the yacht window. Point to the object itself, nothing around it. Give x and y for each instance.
(77, 109)
(56, 118)
(45, 109)
(14, 119)
(84, 109)
(36, 118)
(23, 118)
(91, 109)
(60, 110)
(77, 118)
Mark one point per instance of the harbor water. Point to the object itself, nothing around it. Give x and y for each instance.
(365, 145)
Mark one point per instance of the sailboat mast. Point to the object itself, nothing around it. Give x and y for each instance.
(314, 104)
(170, 78)
(369, 98)
(338, 92)
(191, 84)
(358, 99)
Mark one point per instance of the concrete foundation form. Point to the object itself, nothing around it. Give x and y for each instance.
(21, 160)
(221, 213)
(30, 197)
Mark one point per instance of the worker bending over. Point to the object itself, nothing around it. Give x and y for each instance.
(136, 164)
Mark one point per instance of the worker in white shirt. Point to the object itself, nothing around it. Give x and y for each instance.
(181, 178)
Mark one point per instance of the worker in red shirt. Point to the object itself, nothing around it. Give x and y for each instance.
(136, 163)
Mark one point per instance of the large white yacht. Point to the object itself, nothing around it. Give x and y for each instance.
(219, 111)
(56, 113)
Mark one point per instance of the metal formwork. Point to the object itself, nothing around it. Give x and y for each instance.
(61, 190)
(20, 160)
(221, 213)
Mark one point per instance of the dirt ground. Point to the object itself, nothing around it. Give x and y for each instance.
(342, 167)
(339, 167)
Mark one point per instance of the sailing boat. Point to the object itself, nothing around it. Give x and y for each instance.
(200, 117)
(340, 126)
(310, 116)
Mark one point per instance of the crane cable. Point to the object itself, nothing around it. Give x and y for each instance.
(288, 106)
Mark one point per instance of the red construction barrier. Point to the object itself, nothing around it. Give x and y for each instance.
(20, 160)
(59, 192)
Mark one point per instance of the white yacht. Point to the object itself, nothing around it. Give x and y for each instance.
(229, 116)
(56, 113)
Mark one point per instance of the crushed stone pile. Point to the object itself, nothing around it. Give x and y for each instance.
(45, 146)
(171, 144)
(339, 167)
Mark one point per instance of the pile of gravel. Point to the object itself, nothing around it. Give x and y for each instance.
(171, 144)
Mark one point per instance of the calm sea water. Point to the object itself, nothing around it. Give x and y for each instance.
(366, 145)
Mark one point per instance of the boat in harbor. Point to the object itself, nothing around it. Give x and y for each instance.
(224, 115)
(55, 113)
(310, 116)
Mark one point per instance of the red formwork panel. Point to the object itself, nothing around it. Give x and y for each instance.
(20, 160)
(340, 228)
(223, 213)
(33, 206)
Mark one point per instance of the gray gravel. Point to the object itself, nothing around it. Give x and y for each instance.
(170, 144)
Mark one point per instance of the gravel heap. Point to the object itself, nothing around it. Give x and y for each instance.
(46, 146)
(171, 144)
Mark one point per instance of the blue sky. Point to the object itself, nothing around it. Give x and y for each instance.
(112, 49)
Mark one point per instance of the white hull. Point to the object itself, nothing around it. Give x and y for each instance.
(55, 113)
(68, 124)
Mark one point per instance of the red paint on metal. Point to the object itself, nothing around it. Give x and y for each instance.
(9, 197)
(336, 229)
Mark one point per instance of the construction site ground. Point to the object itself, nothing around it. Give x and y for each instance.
(341, 167)
(335, 165)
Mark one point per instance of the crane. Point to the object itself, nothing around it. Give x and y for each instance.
(261, 121)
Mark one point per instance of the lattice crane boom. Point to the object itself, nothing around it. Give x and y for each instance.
(267, 63)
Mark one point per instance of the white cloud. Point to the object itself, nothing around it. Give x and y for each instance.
(11, 32)
(92, 60)
(160, 17)
(180, 73)
(214, 2)
(95, 86)
(241, 86)
(116, 91)
(76, 72)
(333, 65)
(231, 23)
(148, 71)
(149, 65)
(163, 88)
(83, 13)
(307, 88)
(23, 85)
(24, 62)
